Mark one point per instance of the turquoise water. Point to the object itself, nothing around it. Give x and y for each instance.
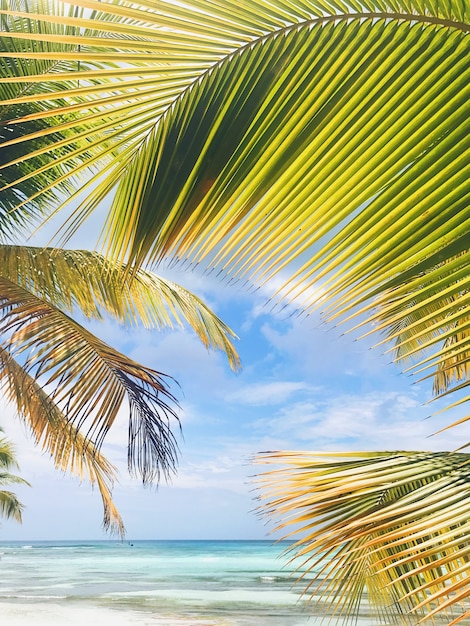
(232, 582)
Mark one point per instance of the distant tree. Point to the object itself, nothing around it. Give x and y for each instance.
(10, 506)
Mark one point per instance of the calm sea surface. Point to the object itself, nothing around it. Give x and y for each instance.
(242, 583)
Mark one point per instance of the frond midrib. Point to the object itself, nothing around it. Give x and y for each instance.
(317, 21)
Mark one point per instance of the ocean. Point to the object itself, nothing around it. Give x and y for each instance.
(88, 583)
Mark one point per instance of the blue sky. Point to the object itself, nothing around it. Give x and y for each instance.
(304, 386)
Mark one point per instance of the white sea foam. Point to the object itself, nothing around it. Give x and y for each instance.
(151, 583)
(197, 597)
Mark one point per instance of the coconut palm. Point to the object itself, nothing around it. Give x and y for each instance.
(322, 141)
(10, 506)
(67, 385)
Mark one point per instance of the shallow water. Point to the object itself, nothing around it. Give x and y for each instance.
(239, 583)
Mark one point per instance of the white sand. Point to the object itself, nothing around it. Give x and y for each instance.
(54, 614)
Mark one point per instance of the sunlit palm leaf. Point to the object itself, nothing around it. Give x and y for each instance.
(429, 314)
(392, 524)
(52, 430)
(79, 279)
(56, 351)
(321, 140)
(22, 182)
(203, 173)
(10, 506)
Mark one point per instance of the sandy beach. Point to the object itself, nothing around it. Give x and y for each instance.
(59, 614)
(56, 614)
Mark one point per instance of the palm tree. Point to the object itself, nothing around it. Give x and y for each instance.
(10, 506)
(323, 141)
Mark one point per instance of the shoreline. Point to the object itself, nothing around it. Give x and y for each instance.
(56, 613)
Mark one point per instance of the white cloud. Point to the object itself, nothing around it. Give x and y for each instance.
(267, 393)
(374, 421)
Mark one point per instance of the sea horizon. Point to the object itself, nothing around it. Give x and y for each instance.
(125, 539)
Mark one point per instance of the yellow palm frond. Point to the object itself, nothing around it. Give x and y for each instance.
(82, 280)
(388, 528)
(55, 434)
(90, 381)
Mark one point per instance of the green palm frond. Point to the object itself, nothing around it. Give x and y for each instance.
(28, 179)
(89, 380)
(390, 526)
(325, 141)
(54, 433)
(427, 318)
(79, 279)
(10, 506)
(7, 454)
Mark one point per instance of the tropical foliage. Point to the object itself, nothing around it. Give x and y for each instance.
(393, 524)
(68, 386)
(323, 141)
(10, 506)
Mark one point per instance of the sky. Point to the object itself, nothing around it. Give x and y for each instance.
(305, 385)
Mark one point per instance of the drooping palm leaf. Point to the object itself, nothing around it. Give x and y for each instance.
(57, 352)
(88, 379)
(51, 429)
(394, 525)
(325, 140)
(10, 506)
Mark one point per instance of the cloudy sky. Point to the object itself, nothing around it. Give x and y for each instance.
(304, 386)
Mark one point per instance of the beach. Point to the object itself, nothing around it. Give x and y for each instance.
(56, 614)
(46, 614)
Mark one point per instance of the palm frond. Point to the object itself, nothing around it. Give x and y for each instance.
(53, 432)
(388, 528)
(84, 280)
(327, 141)
(427, 320)
(21, 183)
(7, 454)
(10, 506)
(90, 381)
